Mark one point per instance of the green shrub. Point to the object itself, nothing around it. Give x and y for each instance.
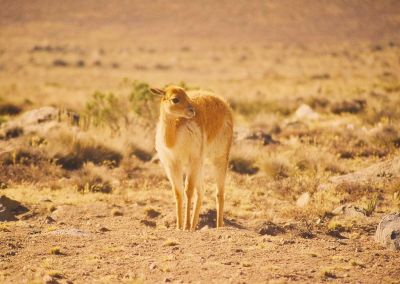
(104, 110)
(142, 101)
(117, 111)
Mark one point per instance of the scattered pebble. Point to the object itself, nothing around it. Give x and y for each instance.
(49, 220)
(153, 266)
(116, 212)
(104, 229)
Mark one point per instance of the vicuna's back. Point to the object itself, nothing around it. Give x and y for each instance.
(213, 115)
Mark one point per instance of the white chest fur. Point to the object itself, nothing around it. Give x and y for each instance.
(188, 144)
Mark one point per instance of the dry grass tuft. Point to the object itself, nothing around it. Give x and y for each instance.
(9, 109)
(355, 191)
(93, 179)
(353, 106)
(171, 243)
(243, 166)
(276, 168)
(55, 250)
(72, 149)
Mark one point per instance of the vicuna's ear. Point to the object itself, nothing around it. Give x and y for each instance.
(156, 91)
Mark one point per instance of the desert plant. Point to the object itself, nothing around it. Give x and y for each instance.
(104, 110)
(243, 166)
(142, 101)
(117, 111)
(72, 149)
(371, 205)
(93, 179)
(276, 168)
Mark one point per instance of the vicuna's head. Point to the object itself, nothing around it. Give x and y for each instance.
(175, 102)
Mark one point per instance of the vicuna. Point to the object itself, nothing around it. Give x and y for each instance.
(191, 129)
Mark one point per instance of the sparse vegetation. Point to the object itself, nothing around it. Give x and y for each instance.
(243, 166)
(118, 112)
(55, 250)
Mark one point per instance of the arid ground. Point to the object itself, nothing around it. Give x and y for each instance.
(315, 91)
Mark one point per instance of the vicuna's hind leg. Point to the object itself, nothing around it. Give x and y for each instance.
(220, 167)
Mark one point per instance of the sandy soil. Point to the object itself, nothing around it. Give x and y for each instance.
(107, 239)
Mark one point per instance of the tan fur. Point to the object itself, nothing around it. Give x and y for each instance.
(191, 129)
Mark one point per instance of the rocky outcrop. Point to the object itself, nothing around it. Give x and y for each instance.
(388, 231)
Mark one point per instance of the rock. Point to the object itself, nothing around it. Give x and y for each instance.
(33, 121)
(303, 199)
(40, 115)
(40, 120)
(376, 173)
(153, 266)
(305, 112)
(350, 210)
(388, 231)
(62, 212)
(206, 227)
(116, 212)
(104, 229)
(9, 209)
(271, 229)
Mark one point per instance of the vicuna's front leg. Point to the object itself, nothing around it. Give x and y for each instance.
(174, 174)
(191, 182)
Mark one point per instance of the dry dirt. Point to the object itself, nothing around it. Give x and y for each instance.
(105, 239)
(267, 59)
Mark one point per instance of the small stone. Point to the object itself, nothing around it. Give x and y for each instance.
(350, 210)
(206, 227)
(153, 266)
(305, 112)
(104, 229)
(303, 199)
(166, 279)
(116, 212)
(49, 220)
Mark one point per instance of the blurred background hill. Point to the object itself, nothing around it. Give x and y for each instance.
(288, 21)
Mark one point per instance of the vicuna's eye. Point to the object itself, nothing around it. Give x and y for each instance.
(175, 100)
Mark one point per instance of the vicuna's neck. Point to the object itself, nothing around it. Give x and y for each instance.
(169, 125)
